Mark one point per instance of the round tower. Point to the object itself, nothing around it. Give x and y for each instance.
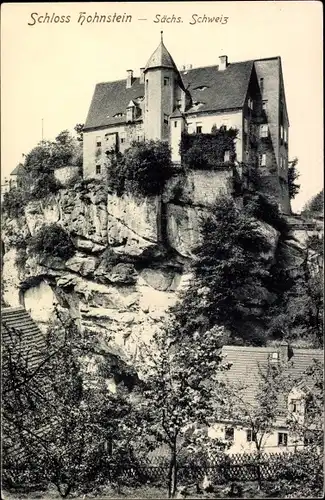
(162, 82)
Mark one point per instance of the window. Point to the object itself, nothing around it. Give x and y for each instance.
(199, 128)
(166, 119)
(264, 130)
(275, 355)
(179, 103)
(190, 128)
(281, 162)
(98, 169)
(262, 160)
(282, 439)
(250, 435)
(227, 156)
(166, 81)
(130, 114)
(147, 89)
(250, 103)
(281, 132)
(175, 123)
(225, 124)
(122, 140)
(285, 135)
(264, 105)
(138, 138)
(262, 85)
(98, 141)
(294, 405)
(246, 125)
(229, 433)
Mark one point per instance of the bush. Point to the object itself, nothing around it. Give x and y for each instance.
(52, 240)
(14, 202)
(143, 169)
(207, 151)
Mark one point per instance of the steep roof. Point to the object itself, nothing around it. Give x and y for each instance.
(160, 58)
(18, 170)
(246, 363)
(216, 90)
(17, 324)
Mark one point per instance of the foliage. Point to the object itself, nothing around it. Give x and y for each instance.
(51, 239)
(143, 168)
(298, 310)
(180, 381)
(58, 419)
(293, 175)
(230, 275)
(207, 151)
(14, 202)
(79, 131)
(37, 179)
(315, 206)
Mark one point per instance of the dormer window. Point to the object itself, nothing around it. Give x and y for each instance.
(201, 87)
(117, 115)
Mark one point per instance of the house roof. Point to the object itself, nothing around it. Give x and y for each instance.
(246, 363)
(18, 170)
(215, 90)
(15, 323)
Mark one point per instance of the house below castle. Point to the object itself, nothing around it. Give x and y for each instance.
(164, 101)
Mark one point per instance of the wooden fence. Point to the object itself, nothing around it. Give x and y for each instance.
(219, 470)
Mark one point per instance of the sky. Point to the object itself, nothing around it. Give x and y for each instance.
(49, 70)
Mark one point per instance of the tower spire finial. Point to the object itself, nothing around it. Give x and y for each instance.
(161, 36)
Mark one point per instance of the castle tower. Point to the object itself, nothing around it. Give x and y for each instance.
(163, 89)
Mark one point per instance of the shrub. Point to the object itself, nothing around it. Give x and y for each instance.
(143, 169)
(52, 240)
(207, 151)
(14, 202)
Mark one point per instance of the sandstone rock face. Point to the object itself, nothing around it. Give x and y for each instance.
(130, 260)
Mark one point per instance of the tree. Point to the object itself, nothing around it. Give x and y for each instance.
(143, 169)
(180, 392)
(230, 271)
(293, 175)
(79, 131)
(315, 206)
(57, 418)
(260, 412)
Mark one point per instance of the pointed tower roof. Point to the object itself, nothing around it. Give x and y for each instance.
(161, 58)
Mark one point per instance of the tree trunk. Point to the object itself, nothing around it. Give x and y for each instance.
(172, 473)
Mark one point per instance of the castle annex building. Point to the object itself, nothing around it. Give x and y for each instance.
(164, 101)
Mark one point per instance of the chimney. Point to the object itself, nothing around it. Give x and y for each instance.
(129, 78)
(223, 63)
(284, 351)
(141, 75)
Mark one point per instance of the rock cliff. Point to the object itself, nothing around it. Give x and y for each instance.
(131, 256)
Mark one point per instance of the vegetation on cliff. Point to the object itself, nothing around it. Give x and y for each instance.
(142, 169)
(207, 151)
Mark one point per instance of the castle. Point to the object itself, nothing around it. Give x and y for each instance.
(164, 101)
